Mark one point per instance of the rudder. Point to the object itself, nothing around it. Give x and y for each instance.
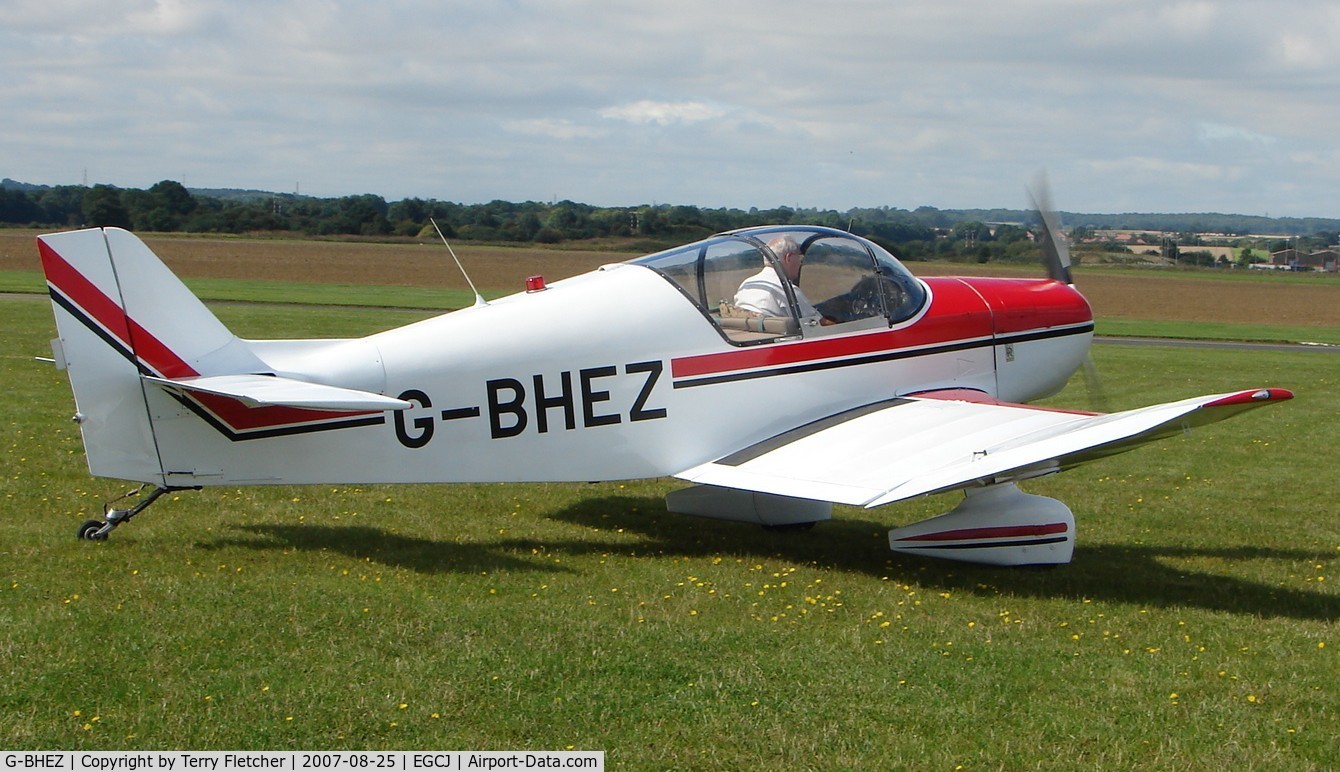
(121, 313)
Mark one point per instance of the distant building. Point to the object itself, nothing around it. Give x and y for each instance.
(1327, 260)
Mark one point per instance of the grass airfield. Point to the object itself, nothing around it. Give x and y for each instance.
(1196, 627)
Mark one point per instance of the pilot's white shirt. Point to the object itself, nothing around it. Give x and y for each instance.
(762, 293)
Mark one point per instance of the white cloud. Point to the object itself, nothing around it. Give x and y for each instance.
(1217, 132)
(1187, 19)
(662, 113)
(1152, 168)
(553, 128)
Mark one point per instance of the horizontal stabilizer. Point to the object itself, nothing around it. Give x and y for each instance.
(940, 441)
(271, 391)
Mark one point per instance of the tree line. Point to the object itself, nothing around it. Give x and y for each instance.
(926, 232)
(168, 206)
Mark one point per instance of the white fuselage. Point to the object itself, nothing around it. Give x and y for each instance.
(608, 375)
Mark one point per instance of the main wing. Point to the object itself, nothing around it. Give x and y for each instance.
(938, 441)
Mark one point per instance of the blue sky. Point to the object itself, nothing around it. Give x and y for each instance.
(1146, 105)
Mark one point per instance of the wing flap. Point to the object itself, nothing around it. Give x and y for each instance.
(909, 447)
(271, 390)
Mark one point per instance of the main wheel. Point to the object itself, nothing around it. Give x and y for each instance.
(89, 531)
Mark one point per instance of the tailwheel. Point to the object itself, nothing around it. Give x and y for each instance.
(91, 530)
(99, 530)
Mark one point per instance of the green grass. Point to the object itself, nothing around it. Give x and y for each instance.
(1196, 627)
(1153, 328)
(1167, 273)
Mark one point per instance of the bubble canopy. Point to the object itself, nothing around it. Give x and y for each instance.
(758, 285)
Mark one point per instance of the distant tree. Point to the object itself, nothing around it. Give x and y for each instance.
(18, 207)
(902, 231)
(444, 224)
(649, 221)
(1197, 257)
(413, 210)
(1024, 250)
(158, 219)
(1009, 234)
(483, 217)
(63, 205)
(163, 207)
(547, 235)
(477, 233)
(174, 197)
(612, 222)
(528, 226)
(102, 207)
(563, 219)
(1315, 242)
(684, 215)
(932, 217)
(360, 215)
(139, 204)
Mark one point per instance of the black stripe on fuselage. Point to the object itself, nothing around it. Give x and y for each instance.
(277, 431)
(885, 356)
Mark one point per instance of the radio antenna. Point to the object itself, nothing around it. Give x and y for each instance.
(479, 299)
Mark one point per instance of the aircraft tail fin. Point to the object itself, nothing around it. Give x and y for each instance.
(121, 314)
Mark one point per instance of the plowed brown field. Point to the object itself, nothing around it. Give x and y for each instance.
(1179, 297)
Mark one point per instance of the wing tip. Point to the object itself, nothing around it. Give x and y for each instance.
(1252, 397)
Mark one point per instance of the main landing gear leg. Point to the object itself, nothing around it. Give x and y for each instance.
(99, 530)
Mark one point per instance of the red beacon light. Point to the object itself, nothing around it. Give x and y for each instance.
(535, 284)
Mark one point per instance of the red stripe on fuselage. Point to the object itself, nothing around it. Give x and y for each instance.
(962, 309)
(241, 417)
(956, 313)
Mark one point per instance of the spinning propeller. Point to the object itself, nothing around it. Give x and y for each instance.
(1055, 248)
(1056, 259)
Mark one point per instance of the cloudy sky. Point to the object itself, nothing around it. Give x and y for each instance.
(1143, 105)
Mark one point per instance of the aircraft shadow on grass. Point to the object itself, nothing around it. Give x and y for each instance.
(1136, 574)
(426, 556)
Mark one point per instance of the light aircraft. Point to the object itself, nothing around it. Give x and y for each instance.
(885, 388)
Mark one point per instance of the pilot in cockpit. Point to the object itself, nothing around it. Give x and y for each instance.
(763, 294)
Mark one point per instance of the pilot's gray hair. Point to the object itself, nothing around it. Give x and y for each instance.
(782, 246)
